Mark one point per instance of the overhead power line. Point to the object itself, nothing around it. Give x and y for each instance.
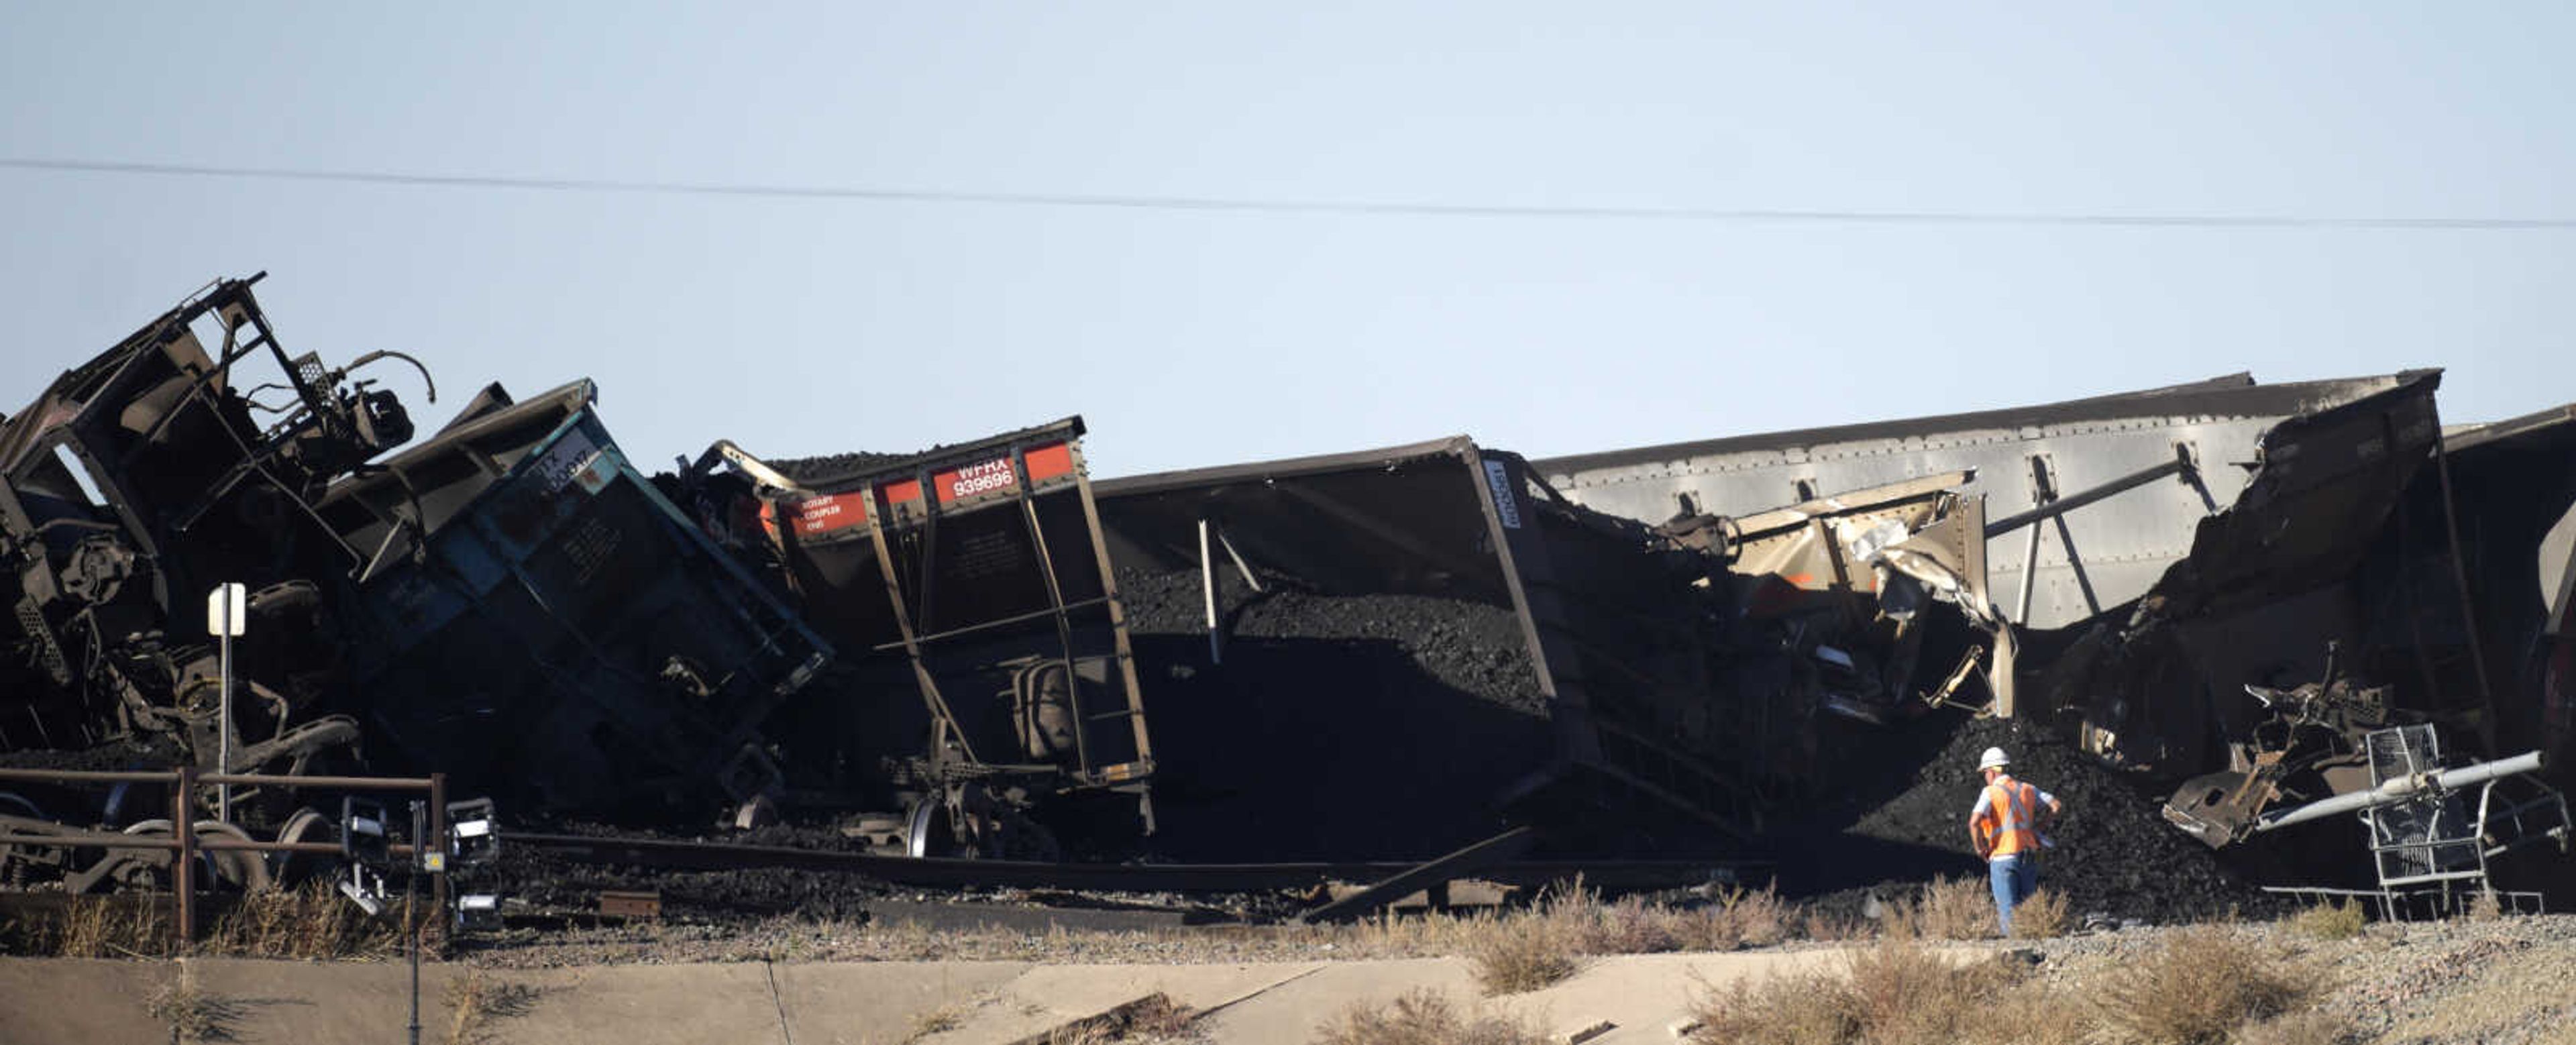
(1287, 206)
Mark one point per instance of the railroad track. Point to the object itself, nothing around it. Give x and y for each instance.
(951, 873)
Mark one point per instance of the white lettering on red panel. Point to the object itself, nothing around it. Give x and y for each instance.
(981, 478)
(839, 511)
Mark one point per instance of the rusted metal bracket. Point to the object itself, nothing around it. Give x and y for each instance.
(1940, 698)
(639, 904)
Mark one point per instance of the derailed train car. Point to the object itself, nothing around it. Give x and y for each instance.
(986, 669)
(2371, 589)
(136, 483)
(1622, 650)
(510, 600)
(533, 611)
(2232, 585)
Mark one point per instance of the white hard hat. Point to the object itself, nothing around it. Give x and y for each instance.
(1992, 759)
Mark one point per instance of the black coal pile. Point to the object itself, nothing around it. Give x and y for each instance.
(2112, 852)
(830, 466)
(1336, 727)
(1471, 647)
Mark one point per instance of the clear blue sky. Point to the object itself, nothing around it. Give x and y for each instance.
(804, 326)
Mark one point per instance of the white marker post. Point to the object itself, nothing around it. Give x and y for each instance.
(225, 615)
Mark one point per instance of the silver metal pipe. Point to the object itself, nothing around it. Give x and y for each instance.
(2403, 788)
(1239, 565)
(2029, 577)
(1207, 586)
(224, 717)
(2073, 501)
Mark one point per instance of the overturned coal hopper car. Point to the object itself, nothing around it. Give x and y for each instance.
(1395, 652)
(533, 612)
(987, 688)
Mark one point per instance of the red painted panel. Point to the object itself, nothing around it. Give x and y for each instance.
(1049, 461)
(830, 513)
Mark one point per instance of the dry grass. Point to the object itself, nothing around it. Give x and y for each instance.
(108, 927)
(1423, 1017)
(936, 1021)
(88, 923)
(2040, 917)
(2306, 1027)
(2330, 920)
(1627, 926)
(1583, 924)
(2201, 985)
(2043, 1014)
(1826, 928)
(1152, 1018)
(1572, 921)
(1514, 955)
(1901, 991)
(1739, 918)
(2486, 907)
(1895, 992)
(1802, 1008)
(478, 999)
(192, 1013)
(308, 923)
(1947, 909)
(2501, 994)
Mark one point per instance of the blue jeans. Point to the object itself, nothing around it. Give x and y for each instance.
(2014, 877)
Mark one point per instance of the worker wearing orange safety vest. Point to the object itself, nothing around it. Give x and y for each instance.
(2005, 828)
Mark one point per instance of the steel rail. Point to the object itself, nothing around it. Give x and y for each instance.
(170, 843)
(949, 872)
(168, 776)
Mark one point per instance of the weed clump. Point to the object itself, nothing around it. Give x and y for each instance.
(307, 923)
(2202, 985)
(1746, 918)
(1947, 909)
(1153, 1018)
(1514, 955)
(2330, 920)
(1423, 1017)
(477, 999)
(2040, 917)
(107, 927)
(194, 1015)
(1895, 992)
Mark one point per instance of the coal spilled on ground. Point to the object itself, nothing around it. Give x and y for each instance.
(550, 880)
(1907, 822)
(1335, 727)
